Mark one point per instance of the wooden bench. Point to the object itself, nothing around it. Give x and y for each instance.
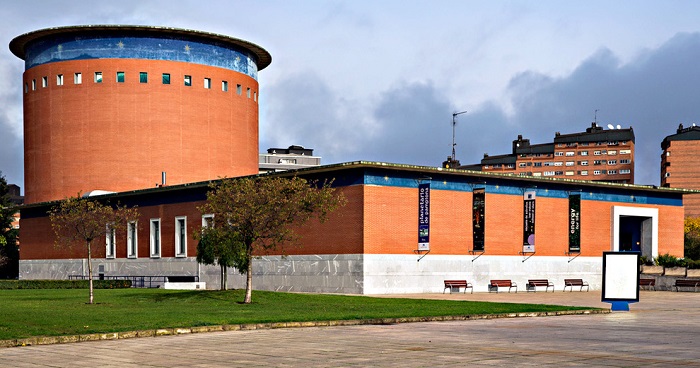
(495, 284)
(693, 283)
(449, 284)
(575, 282)
(650, 283)
(534, 283)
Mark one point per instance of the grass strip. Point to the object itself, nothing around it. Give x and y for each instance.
(30, 313)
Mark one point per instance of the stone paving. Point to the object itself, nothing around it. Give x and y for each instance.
(662, 330)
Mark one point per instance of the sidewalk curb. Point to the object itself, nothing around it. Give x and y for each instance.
(50, 340)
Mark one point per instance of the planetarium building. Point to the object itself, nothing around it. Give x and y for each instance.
(113, 108)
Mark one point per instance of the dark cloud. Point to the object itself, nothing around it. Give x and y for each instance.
(411, 122)
(652, 93)
(11, 143)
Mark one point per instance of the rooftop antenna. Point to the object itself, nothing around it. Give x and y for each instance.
(454, 124)
(595, 116)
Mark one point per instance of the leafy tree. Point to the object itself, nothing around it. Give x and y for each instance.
(692, 238)
(9, 251)
(76, 220)
(252, 215)
(217, 247)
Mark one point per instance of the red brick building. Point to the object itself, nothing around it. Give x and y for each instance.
(679, 165)
(481, 226)
(112, 107)
(596, 154)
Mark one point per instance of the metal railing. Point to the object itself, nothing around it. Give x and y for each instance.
(140, 281)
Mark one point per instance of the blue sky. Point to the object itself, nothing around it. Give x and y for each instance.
(379, 80)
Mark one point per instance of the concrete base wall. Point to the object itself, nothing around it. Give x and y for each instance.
(346, 273)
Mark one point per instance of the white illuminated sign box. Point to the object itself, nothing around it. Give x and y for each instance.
(620, 277)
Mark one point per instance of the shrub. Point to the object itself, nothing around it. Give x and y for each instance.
(63, 284)
(693, 264)
(668, 261)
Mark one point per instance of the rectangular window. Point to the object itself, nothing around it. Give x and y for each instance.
(120, 77)
(558, 163)
(569, 173)
(181, 236)
(111, 236)
(44, 82)
(255, 96)
(569, 163)
(522, 164)
(596, 172)
(583, 153)
(570, 153)
(98, 77)
(155, 238)
(584, 172)
(612, 152)
(583, 144)
(612, 162)
(132, 240)
(625, 171)
(597, 162)
(597, 153)
(166, 78)
(536, 174)
(59, 80)
(584, 163)
(248, 92)
(625, 152)
(548, 173)
(188, 80)
(625, 161)
(239, 89)
(558, 153)
(33, 84)
(537, 164)
(207, 83)
(558, 173)
(77, 78)
(224, 86)
(207, 220)
(143, 77)
(612, 172)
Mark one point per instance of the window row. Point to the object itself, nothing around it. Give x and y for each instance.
(578, 172)
(154, 238)
(120, 77)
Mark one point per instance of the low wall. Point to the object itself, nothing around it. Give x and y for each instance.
(347, 273)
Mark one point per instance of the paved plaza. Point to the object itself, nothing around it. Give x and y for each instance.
(662, 330)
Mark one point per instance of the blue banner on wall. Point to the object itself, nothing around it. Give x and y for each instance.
(424, 216)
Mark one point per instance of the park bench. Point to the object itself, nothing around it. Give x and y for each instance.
(575, 282)
(450, 284)
(495, 284)
(693, 283)
(650, 283)
(534, 283)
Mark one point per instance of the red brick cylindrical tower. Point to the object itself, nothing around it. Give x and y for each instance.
(112, 107)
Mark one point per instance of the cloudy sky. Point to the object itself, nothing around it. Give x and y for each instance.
(379, 80)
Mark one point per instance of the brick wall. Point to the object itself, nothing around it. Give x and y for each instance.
(121, 136)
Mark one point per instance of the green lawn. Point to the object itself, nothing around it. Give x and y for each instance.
(27, 313)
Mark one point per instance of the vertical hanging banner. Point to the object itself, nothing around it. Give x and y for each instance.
(529, 221)
(478, 223)
(574, 223)
(424, 216)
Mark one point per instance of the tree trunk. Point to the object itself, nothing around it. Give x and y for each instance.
(89, 256)
(224, 277)
(249, 275)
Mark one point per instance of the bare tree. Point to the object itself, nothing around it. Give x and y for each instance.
(78, 220)
(257, 214)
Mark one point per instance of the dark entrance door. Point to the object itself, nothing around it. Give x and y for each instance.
(631, 233)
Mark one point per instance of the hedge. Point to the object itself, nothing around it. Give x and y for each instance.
(63, 284)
